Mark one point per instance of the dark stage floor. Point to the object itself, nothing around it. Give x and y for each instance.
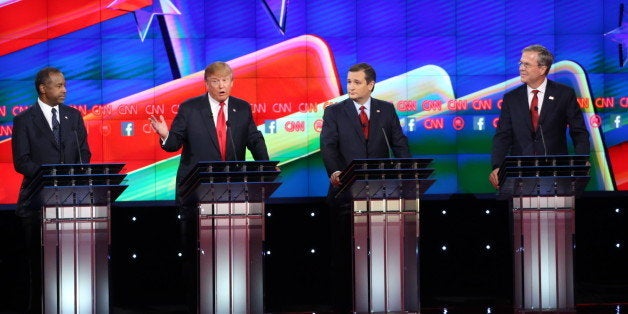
(473, 275)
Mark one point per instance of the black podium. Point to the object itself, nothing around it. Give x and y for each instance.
(75, 201)
(385, 195)
(543, 191)
(230, 197)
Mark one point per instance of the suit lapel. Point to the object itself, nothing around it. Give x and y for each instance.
(208, 120)
(352, 116)
(375, 117)
(523, 107)
(549, 104)
(64, 121)
(39, 120)
(236, 112)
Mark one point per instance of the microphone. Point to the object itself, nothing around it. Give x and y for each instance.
(235, 155)
(390, 155)
(78, 147)
(542, 137)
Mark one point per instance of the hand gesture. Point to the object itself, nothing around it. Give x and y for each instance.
(159, 126)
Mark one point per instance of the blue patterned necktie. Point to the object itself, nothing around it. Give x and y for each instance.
(55, 125)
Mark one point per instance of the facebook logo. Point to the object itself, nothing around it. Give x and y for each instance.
(270, 126)
(617, 121)
(479, 124)
(408, 124)
(127, 128)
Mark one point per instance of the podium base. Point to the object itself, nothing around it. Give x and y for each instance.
(75, 259)
(544, 229)
(230, 258)
(385, 261)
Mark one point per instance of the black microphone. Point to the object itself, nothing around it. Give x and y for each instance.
(78, 147)
(542, 138)
(390, 155)
(235, 155)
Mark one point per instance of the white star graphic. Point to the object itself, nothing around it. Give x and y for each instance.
(277, 9)
(144, 17)
(620, 36)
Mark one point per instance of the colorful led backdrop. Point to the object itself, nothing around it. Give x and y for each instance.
(444, 64)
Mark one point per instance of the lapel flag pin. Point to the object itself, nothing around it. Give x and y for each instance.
(551, 97)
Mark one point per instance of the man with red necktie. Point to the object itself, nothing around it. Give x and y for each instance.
(535, 116)
(357, 128)
(212, 127)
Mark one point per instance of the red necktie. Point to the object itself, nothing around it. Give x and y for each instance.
(534, 110)
(221, 131)
(364, 120)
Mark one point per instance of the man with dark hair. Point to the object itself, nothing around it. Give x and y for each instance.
(356, 128)
(48, 132)
(535, 116)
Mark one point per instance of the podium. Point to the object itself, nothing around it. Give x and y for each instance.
(230, 197)
(385, 197)
(543, 191)
(75, 201)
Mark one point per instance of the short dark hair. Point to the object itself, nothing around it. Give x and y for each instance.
(545, 56)
(43, 76)
(369, 72)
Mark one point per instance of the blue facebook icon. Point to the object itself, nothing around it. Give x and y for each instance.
(127, 129)
(270, 126)
(479, 124)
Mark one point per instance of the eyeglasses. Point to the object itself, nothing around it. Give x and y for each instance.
(526, 65)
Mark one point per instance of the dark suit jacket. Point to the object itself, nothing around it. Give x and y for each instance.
(514, 135)
(34, 145)
(342, 139)
(193, 129)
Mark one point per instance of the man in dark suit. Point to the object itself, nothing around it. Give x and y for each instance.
(357, 128)
(212, 127)
(535, 116)
(46, 133)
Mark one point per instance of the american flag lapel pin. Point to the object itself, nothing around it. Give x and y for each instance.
(551, 97)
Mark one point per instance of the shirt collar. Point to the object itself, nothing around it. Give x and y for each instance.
(541, 87)
(45, 107)
(215, 103)
(367, 105)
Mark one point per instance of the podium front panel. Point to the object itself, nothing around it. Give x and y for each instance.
(75, 267)
(544, 257)
(230, 260)
(386, 261)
